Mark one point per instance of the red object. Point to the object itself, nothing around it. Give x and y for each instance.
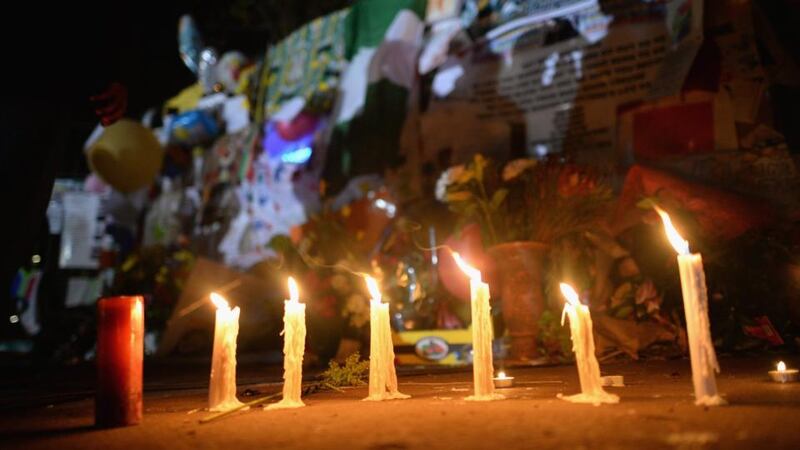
(764, 330)
(111, 103)
(674, 130)
(721, 215)
(120, 349)
(298, 127)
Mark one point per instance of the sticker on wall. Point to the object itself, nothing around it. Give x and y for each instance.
(432, 348)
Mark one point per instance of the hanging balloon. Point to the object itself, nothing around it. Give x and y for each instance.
(193, 128)
(206, 69)
(127, 156)
(229, 69)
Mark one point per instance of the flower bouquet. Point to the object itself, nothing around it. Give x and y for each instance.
(523, 209)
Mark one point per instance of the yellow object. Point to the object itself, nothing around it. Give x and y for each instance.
(244, 80)
(453, 338)
(186, 100)
(127, 156)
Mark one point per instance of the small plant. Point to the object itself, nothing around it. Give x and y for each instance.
(352, 373)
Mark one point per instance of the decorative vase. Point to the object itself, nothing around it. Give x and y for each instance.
(519, 268)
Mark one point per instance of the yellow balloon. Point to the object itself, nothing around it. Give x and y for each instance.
(127, 156)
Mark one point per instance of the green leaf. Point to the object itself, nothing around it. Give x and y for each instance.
(479, 163)
(458, 196)
(646, 203)
(352, 373)
(623, 312)
(498, 197)
(471, 210)
(280, 243)
(465, 176)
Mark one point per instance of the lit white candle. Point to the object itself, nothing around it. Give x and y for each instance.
(695, 305)
(382, 375)
(222, 386)
(294, 344)
(482, 334)
(580, 324)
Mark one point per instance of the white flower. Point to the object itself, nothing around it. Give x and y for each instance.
(445, 179)
(514, 168)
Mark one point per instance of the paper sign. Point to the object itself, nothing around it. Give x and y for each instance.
(79, 240)
(565, 96)
(82, 291)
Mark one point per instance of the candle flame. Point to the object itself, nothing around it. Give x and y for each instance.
(678, 242)
(501, 375)
(781, 366)
(372, 285)
(570, 294)
(219, 301)
(294, 292)
(471, 272)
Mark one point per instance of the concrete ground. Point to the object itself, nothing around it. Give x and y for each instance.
(656, 411)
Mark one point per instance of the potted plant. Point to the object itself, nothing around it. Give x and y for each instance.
(523, 208)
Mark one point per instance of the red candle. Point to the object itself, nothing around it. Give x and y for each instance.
(120, 348)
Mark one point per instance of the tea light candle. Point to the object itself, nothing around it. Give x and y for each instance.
(503, 381)
(222, 383)
(120, 350)
(783, 375)
(613, 381)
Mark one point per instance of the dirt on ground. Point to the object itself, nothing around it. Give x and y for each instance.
(656, 411)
